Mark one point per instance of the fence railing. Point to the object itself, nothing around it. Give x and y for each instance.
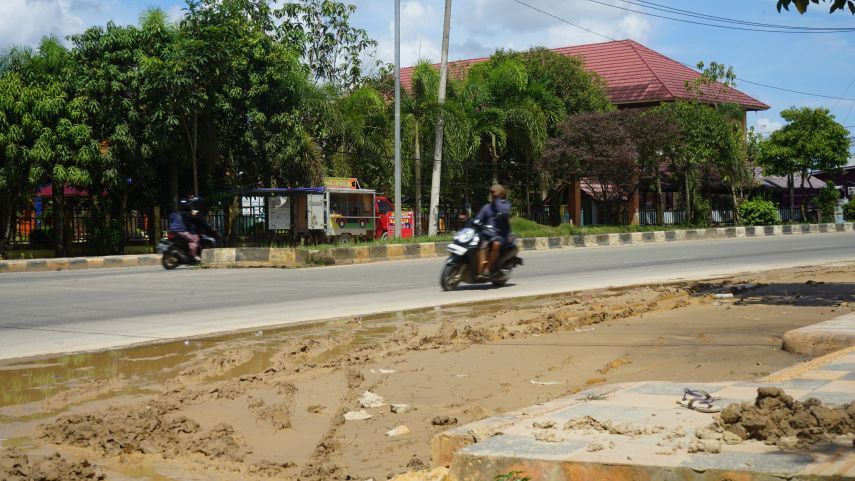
(672, 217)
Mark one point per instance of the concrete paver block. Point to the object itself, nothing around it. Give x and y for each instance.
(822, 338)
(652, 443)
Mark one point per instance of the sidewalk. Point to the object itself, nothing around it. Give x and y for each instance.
(637, 431)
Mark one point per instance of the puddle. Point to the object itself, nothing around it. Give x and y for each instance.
(31, 381)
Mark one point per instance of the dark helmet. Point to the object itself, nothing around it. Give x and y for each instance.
(192, 203)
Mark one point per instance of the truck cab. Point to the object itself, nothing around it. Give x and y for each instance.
(384, 210)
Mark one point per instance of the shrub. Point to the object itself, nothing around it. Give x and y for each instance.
(826, 202)
(758, 212)
(849, 210)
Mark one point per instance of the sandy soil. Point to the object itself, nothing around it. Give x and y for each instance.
(272, 405)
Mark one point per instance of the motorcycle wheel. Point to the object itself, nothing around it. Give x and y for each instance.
(170, 260)
(451, 276)
(500, 283)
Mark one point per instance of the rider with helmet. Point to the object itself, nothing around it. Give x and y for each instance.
(494, 219)
(185, 224)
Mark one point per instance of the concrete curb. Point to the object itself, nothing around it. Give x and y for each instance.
(822, 338)
(303, 257)
(307, 257)
(78, 263)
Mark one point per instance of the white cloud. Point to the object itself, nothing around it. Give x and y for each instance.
(766, 125)
(25, 22)
(479, 27)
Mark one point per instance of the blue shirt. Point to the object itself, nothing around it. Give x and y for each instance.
(176, 222)
(497, 214)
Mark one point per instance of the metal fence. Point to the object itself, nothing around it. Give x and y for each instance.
(672, 217)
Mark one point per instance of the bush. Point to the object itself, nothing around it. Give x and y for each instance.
(758, 212)
(849, 210)
(826, 202)
(41, 237)
(105, 237)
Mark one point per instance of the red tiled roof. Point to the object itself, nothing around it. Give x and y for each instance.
(633, 74)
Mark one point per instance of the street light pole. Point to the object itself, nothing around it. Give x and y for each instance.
(397, 118)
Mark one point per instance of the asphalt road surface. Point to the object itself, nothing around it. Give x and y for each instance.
(68, 311)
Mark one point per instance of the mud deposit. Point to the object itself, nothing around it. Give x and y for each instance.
(272, 405)
(776, 418)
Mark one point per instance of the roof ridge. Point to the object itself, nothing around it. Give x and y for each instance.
(633, 45)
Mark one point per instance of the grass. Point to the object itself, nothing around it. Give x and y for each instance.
(521, 227)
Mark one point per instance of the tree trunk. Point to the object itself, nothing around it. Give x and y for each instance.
(467, 204)
(687, 199)
(437, 152)
(736, 219)
(192, 139)
(660, 202)
(791, 183)
(58, 218)
(7, 211)
(528, 186)
(418, 166)
(494, 158)
(123, 220)
(173, 183)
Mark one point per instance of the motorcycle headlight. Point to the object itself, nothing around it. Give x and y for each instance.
(465, 235)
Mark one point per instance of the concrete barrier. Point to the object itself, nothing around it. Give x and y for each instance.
(78, 263)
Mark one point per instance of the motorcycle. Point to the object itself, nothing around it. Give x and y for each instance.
(462, 264)
(176, 251)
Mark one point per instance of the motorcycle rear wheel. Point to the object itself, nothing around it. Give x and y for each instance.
(451, 276)
(170, 260)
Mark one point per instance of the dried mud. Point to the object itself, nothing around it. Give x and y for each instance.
(776, 418)
(272, 406)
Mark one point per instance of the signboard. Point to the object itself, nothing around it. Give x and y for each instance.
(341, 182)
(406, 224)
(280, 213)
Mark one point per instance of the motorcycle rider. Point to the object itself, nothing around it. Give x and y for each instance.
(183, 224)
(494, 219)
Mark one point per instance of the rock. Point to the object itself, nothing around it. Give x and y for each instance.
(401, 408)
(594, 447)
(731, 438)
(789, 442)
(548, 437)
(543, 424)
(443, 421)
(398, 431)
(711, 446)
(370, 400)
(361, 415)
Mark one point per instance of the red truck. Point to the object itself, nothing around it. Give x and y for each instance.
(384, 210)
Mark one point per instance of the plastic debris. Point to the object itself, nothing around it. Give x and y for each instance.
(371, 400)
(546, 383)
(357, 415)
(399, 431)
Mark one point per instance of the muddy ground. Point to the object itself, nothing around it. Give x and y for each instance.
(271, 405)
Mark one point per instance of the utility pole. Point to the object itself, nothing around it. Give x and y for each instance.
(437, 152)
(398, 119)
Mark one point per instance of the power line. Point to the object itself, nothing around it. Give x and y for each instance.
(563, 20)
(686, 65)
(728, 27)
(704, 16)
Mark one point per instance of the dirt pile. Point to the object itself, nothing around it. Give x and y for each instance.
(776, 418)
(16, 466)
(150, 430)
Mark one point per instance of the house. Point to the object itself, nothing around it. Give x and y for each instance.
(635, 77)
(844, 180)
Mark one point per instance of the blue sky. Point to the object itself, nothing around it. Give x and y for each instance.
(814, 63)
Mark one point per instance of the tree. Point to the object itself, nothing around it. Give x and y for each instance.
(657, 138)
(802, 5)
(598, 147)
(810, 142)
(54, 137)
(420, 110)
(332, 48)
(706, 140)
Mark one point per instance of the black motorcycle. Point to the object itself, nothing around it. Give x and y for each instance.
(176, 250)
(462, 264)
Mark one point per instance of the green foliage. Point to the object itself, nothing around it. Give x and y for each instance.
(811, 141)
(849, 210)
(826, 202)
(802, 5)
(105, 237)
(759, 212)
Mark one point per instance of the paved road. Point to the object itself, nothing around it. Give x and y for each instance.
(53, 312)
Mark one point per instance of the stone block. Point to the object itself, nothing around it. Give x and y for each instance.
(394, 251)
(554, 242)
(282, 257)
(541, 243)
(427, 249)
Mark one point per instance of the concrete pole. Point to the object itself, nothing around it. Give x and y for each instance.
(398, 119)
(437, 152)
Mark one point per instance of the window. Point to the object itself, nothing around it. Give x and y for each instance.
(384, 206)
